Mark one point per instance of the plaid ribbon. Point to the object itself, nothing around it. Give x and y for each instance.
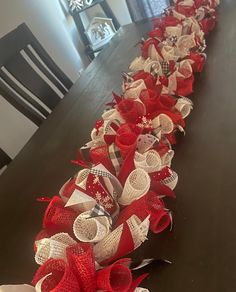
(173, 39)
(165, 67)
(98, 211)
(115, 156)
(100, 173)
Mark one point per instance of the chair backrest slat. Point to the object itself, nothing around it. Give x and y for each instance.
(30, 75)
(22, 92)
(12, 97)
(26, 75)
(44, 68)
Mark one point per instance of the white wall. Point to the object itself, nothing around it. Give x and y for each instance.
(121, 11)
(15, 128)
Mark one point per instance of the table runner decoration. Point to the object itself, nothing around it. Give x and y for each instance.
(106, 210)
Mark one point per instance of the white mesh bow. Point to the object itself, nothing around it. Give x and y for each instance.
(145, 142)
(171, 180)
(168, 53)
(136, 186)
(193, 24)
(163, 124)
(153, 54)
(111, 115)
(88, 229)
(81, 178)
(152, 66)
(137, 64)
(167, 158)
(150, 161)
(53, 247)
(174, 31)
(184, 44)
(189, 3)
(184, 106)
(107, 247)
(97, 135)
(134, 89)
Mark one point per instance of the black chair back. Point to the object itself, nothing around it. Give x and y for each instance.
(29, 79)
(4, 159)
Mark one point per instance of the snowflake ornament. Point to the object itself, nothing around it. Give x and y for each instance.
(104, 201)
(79, 4)
(96, 179)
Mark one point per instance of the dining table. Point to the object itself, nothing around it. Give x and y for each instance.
(199, 253)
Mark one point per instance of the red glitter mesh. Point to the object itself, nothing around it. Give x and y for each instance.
(57, 218)
(81, 261)
(61, 279)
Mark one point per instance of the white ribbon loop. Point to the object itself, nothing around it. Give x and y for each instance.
(136, 186)
(88, 229)
(108, 247)
(163, 124)
(150, 161)
(145, 142)
(184, 106)
(53, 247)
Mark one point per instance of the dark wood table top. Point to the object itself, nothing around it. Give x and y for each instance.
(202, 245)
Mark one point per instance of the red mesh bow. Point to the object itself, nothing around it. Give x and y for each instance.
(130, 109)
(68, 188)
(101, 155)
(188, 11)
(151, 205)
(61, 278)
(80, 275)
(115, 278)
(184, 86)
(148, 78)
(126, 138)
(199, 61)
(208, 24)
(57, 218)
(150, 98)
(81, 262)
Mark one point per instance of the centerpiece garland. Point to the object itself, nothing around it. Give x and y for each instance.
(106, 210)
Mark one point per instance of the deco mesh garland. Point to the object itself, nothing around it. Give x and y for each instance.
(108, 208)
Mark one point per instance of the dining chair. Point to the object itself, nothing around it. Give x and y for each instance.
(29, 78)
(4, 159)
